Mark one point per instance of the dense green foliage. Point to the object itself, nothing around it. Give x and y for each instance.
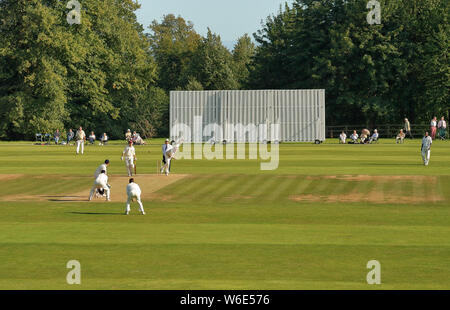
(107, 74)
(53, 74)
(187, 61)
(371, 73)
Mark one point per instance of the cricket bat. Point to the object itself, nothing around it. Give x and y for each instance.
(134, 167)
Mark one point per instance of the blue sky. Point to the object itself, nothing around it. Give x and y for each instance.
(228, 18)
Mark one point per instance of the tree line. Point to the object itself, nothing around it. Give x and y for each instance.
(108, 73)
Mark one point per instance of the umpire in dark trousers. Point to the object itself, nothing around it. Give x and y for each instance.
(164, 148)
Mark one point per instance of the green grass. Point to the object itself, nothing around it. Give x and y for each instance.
(229, 225)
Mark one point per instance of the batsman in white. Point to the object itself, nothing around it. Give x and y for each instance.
(169, 154)
(129, 155)
(101, 182)
(426, 149)
(134, 192)
(104, 166)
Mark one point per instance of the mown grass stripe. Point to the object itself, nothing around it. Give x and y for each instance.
(220, 188)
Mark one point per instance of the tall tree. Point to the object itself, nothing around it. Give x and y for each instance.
(212, 65)
(53, 73)
(243, 52)
(372, 73)
(174, 43)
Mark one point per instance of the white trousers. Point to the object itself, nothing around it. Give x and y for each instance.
(426, 154)
(136, 196)
(130, 166)
(166, 166)
(80, 142)
(100, 186)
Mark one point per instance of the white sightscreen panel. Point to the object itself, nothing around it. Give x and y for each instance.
(300, 113)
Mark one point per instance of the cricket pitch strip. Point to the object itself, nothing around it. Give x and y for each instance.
(149, 183)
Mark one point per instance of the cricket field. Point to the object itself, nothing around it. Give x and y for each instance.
(314, 223)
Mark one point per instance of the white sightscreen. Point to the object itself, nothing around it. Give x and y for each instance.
(252, 115)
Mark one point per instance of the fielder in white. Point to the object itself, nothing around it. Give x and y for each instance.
(129, 155)
(81, 138)
(134, 192)
(101, 182)
(426, 149)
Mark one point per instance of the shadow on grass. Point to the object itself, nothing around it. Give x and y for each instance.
(95, 213)
(66, 198)
(394, 164)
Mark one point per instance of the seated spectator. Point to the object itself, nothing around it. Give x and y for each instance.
(92, 137)
(374, 137)
(70, 136)
(128, 135)
(56, 136)
(104, 139)
(134, 136)
(354, 137)
(400, 137)
(138, 140)
(365, 133)
(342, 138)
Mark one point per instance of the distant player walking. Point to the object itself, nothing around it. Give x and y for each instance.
(426, 148)
(134, 192)
(80, 138)
(129, 155)
(101, 182)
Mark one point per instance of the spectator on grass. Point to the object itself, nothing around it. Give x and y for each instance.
(128, 135)
(407, 128)
(342, 138)
(365, 133)
(374, 137)
(433, 127)
(70, 136)
(401, 135)
(137, 139)
(442, 126)
(56, 136)
(92, 137)
(104, 139)
(354, 137)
